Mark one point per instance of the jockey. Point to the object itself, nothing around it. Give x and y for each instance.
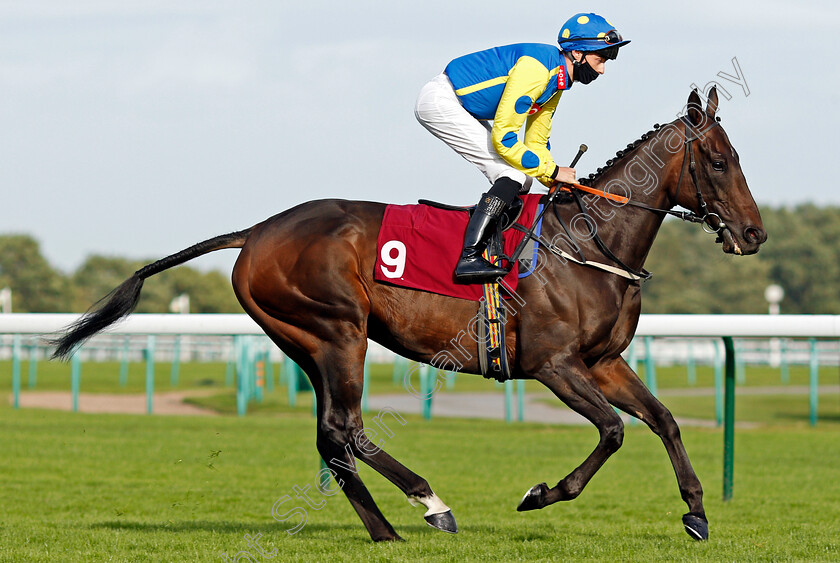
(509, 86)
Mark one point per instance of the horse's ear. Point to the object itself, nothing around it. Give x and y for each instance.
(712, 104)
(695, 108)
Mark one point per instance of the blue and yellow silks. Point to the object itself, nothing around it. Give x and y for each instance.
(514, 85)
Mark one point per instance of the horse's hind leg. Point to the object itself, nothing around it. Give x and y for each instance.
(321, 322)
(336, 373)
(625, 390)
(569, 379)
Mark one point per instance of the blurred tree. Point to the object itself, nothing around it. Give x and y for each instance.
(804, 253)
(209, 292)
(97, 276)
(36, 286)
(693, 275)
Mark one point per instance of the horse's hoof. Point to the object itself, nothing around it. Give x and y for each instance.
(390, 537)
(443, 521)
(696, 526)
(534, 498)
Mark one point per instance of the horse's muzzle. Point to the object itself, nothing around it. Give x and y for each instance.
(755, 235)
(749, 243)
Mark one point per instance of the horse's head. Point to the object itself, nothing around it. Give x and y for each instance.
(719, 191)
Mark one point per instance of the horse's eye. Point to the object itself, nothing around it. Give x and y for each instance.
(719, 165)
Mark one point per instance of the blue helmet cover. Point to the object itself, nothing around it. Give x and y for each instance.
(585, 25)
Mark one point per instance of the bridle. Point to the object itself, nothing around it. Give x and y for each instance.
(704, 217)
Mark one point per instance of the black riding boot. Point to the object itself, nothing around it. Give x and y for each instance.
(472, 268)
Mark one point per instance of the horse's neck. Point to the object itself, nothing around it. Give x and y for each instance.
(629, 231)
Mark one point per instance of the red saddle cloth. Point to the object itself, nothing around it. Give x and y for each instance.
(419, 247)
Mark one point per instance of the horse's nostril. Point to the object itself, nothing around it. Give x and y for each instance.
(754, 235)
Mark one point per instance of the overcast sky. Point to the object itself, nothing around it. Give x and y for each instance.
(138, 128)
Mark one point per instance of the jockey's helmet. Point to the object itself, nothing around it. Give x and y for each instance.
(590, 33)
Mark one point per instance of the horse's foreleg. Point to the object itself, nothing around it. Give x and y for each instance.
(570, 381)
(342, 440)
(334, 443)
(625, 390)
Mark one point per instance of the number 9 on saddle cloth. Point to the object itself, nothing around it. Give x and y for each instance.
(419, 245)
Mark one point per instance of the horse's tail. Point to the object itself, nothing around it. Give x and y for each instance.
(122, 300)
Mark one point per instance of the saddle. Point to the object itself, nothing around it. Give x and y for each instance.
(507, 220)
(419, 245)
(491, 312)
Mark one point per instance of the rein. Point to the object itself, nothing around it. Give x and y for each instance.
(704, 218)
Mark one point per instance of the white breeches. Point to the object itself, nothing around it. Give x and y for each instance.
(439, 111)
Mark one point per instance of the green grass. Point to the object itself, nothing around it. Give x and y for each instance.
(676, 377)
(104, 377)
(134, 488)
(762, 409)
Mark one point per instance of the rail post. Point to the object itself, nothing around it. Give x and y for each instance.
(75, 378)
(175, 371)
(150, 372)
(784, 370)
(290, 369)
(650, 366)
(269, 369)
(16, 369)
(691, 365)
(814, 380)
(729, 419)
(230, 368)
(259, 375)
(400, 367)
(450, 379)
(33, 365)
(124, 361)
(243, 375)
(718, 384)
(426, 390)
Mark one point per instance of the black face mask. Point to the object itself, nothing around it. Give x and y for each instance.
(583, 72)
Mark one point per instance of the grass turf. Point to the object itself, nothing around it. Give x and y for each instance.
(134, 488)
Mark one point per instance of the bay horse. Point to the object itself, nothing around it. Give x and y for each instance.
(306, 277)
